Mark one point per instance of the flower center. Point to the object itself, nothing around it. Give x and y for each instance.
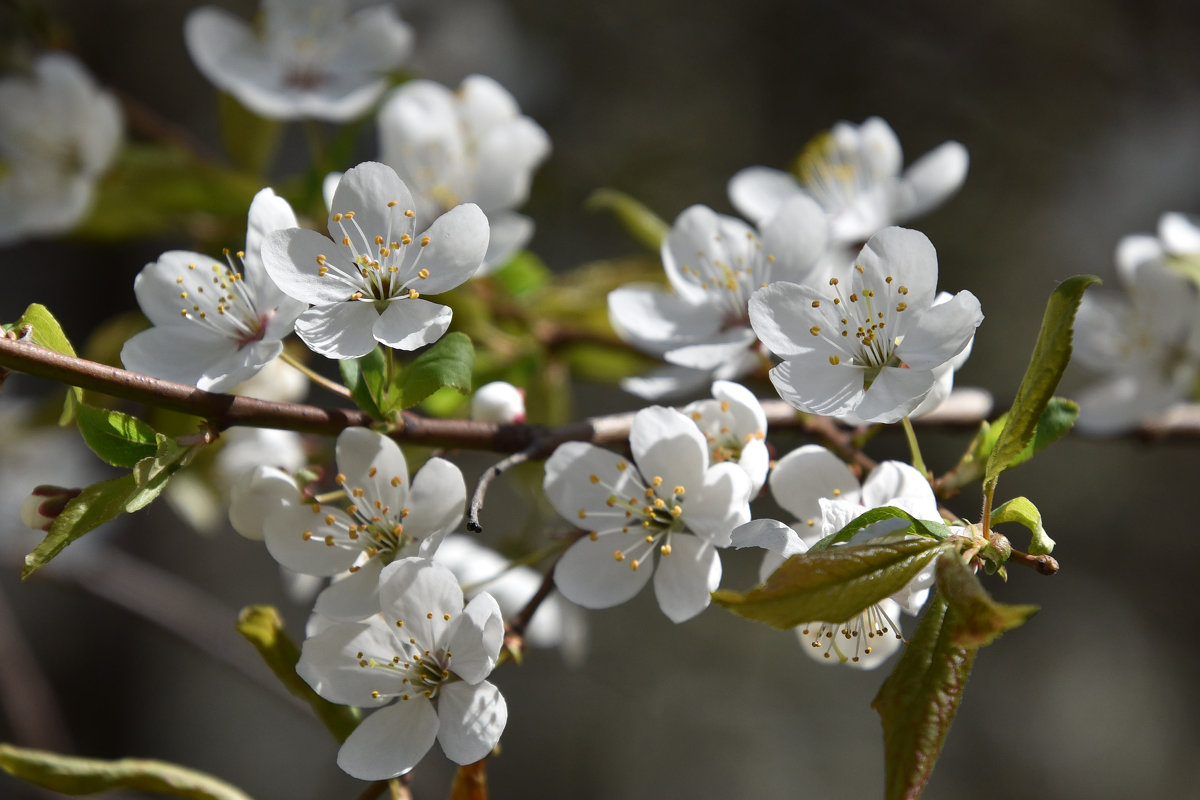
(376, 530)
(222, 301)
(649, 514)
(851, 640)
(731, 273)
(421, 667)
(861, 333)
(381, 271)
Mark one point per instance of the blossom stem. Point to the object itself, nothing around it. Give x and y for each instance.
(313, 376)
(914, 448)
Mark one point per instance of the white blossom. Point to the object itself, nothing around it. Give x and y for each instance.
(472, 145)
(853, 171)
(421, 661)
(714, 263)
(58, 134)
(735, 426)
(384, 519)
(664, 514)
(313, 58)
(869, 343)
(1145, 340)
(366, 286)
(215, 325)
(498, 401)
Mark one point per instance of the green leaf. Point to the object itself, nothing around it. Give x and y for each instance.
(638, 221)
(976, 618)
(918, 701)
(1051, 353)
(522, 274)
(73, 775)
(151, 473)
(366, 378)
(1021, 510)
(263, 628)
(832, 585)
(927, 528)
(448, 362)
(49, 334)
(1056, 421)
(250, 140)
(118, 438)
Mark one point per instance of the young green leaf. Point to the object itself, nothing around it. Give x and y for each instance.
(976, 618)
(119, 439)
(642, 224)
(920, 527)
(73, 775)
(94, 506)
(1051, 353)
(1021, 510)
(366, 378)
(49, 334)
(448, 362)
(522, 274)
(918, 701)
(263, 628)
(832, 585)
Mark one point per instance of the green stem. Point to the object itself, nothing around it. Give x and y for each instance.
(320, 380)
(915, 448)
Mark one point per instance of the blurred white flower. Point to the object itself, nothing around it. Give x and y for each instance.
(59, 132)
(467, 146)
(499, 402)
(1146, 340)
(853, 171)
(312, 58)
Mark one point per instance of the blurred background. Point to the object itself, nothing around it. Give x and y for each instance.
(1083, 125)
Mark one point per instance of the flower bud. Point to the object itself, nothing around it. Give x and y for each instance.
(498, 402)
(42, 507)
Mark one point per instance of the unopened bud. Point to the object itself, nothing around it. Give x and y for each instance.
(42, 507)
(498, 402)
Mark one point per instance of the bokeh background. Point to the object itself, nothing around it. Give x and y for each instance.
(1083, 125)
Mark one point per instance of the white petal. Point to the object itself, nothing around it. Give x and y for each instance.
(472, 719)
(474, 643)
(782, 315)
(268, 213)
(352, 598)
(570, 489)
(813, 384)
(375, 464)
(284, 536)
(654, 320)
(409, 324)
(507, 155)
(941, 332)
(931, 179)
(805, 475)
(880, 148)
(179, 354)
(721, 504)
(341, 330)
(509, 232)
(796, 236)
(458, 241)
(755, 461)
(907, 256)
(391, 741)
(589, 574)
(378, 199)
(897, 483)
(758, 192)
(1179, 233)
(685, 579)
(668, 445)
(420, 593)
(258, 495)
(291, 260)
(330, 664)
(714, 352)
(437, 499)
(664, 382)
(894, 393)
(697, 230)
(770, 535)
(743, 404)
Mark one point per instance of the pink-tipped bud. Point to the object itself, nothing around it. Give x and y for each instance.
(498, 402)
(42, 507)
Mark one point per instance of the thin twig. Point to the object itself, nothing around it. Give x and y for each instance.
(485, 480)
(1046, 565)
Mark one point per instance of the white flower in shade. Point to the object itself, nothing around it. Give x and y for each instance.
(714, 263)
(366, 286)
(243, 449)
(385, 519)
(59, 132)
(277, 381)
(498, 401)
(479, 568)
(853, 171)
(824, 495)
(1145, 341)
(421, 661)
(869, 343)
(467, 146)
(735, 426)
(214, 325)
(312, 58)
(670, 510)
(261, 491)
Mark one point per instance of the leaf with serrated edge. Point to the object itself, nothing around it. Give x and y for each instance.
(49, 334)
(919, 527)
(977, 618)
(447, 363)
(74, 775)
(1024, 512)
(1051, 353)
(119, 439)
(918, 701)
(832, 585)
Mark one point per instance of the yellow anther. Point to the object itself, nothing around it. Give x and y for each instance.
(621, 466)
(816, 303)
(322, 272)
(423, 274)
(346, 241)
(410, 213)
(815, 330)
(406, 239)
(834, 360)
(901, 306)
(633, 565)
(391, 204)
(593, 535)
(833, 281)
(657, 481)
(665, 549)
(329, 541)
(349, 215)
(594, 478)
(619, 556)
(679, 490)
(337, 217)
(859, 268)
(413, 294)
(425, 240)
(375, 695)
(854, 298)
(903, 290)
(676, 510)
(383, 251)
(582, 514)
(306, 535)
